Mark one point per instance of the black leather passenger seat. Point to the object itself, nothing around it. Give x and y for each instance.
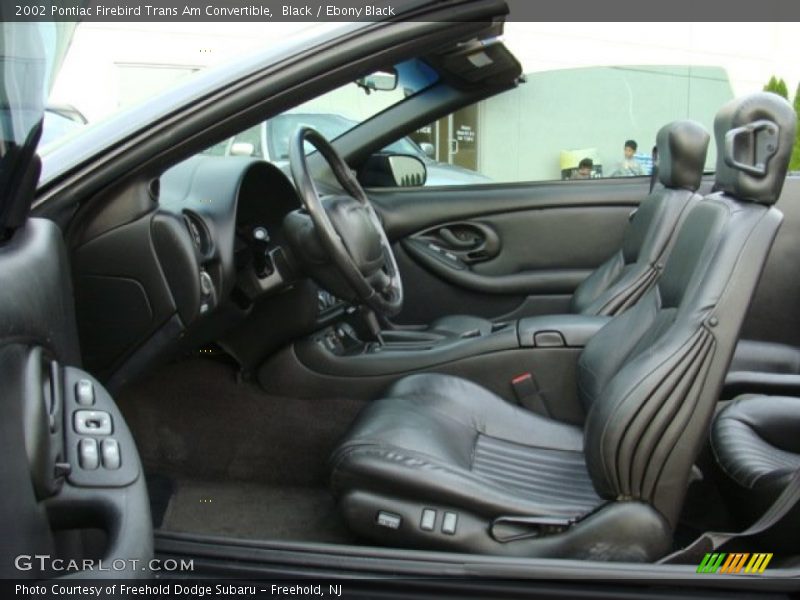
(623, 278)
(442, 463)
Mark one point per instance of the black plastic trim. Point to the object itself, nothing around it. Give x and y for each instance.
(263, 558)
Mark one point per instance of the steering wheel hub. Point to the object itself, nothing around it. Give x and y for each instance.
(353, 222)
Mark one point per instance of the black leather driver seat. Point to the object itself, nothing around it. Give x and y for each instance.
(624, 277)
(756, 441)
(443, 463)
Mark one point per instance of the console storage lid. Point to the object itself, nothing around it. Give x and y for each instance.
(549, 331)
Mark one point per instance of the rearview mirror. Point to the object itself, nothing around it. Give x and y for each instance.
(380, 81)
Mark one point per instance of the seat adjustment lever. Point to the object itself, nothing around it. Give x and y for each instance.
(512, 528)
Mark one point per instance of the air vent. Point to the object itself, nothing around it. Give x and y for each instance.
(198, 232)
(154, 189)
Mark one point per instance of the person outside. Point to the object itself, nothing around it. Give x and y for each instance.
(629, 167)
(584, 170)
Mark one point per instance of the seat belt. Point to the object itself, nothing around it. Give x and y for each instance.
(711, 540)
(654, 170)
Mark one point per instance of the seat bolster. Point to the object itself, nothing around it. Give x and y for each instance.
(394, 423)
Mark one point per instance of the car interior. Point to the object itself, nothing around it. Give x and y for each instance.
(251, 358)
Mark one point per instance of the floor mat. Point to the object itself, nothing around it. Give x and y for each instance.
(194, 420)
(254, 511)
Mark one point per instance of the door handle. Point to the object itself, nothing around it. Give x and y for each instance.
(455, 242)
(467, 241)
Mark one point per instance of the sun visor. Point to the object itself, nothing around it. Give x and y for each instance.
(484, 61)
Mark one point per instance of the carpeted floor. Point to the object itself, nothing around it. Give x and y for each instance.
(255, 511)
(260, 460)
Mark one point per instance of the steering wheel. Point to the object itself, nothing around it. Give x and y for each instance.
(348, 227)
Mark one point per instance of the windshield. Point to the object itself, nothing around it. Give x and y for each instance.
(340, 110)
(57, 125)
(281, 128)
(590, 92)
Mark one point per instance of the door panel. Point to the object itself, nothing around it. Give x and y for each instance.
(503, 251)
(49, 411)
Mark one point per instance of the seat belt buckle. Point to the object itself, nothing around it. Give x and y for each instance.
(528, 394)
(512, 528)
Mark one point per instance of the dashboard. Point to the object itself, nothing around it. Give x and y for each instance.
(187, 259)
(233, 208)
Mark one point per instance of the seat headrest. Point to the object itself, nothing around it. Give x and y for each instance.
(682, 147)
(755, 135)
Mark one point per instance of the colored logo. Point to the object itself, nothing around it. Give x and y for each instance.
(734, 563)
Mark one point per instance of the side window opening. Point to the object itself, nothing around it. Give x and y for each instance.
(584, 123)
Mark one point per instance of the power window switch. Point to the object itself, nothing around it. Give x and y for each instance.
(449, 523)
(428, 520)
(109, 449)
(92, 422)
(88, 456)
(389, 520)
(84, 392)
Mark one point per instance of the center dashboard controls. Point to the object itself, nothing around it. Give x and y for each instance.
(326, 300)
(341, 339)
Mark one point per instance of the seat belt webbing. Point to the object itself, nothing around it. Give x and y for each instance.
(711, 540)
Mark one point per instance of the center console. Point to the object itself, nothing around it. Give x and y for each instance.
(347, 359)
(343, 351)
